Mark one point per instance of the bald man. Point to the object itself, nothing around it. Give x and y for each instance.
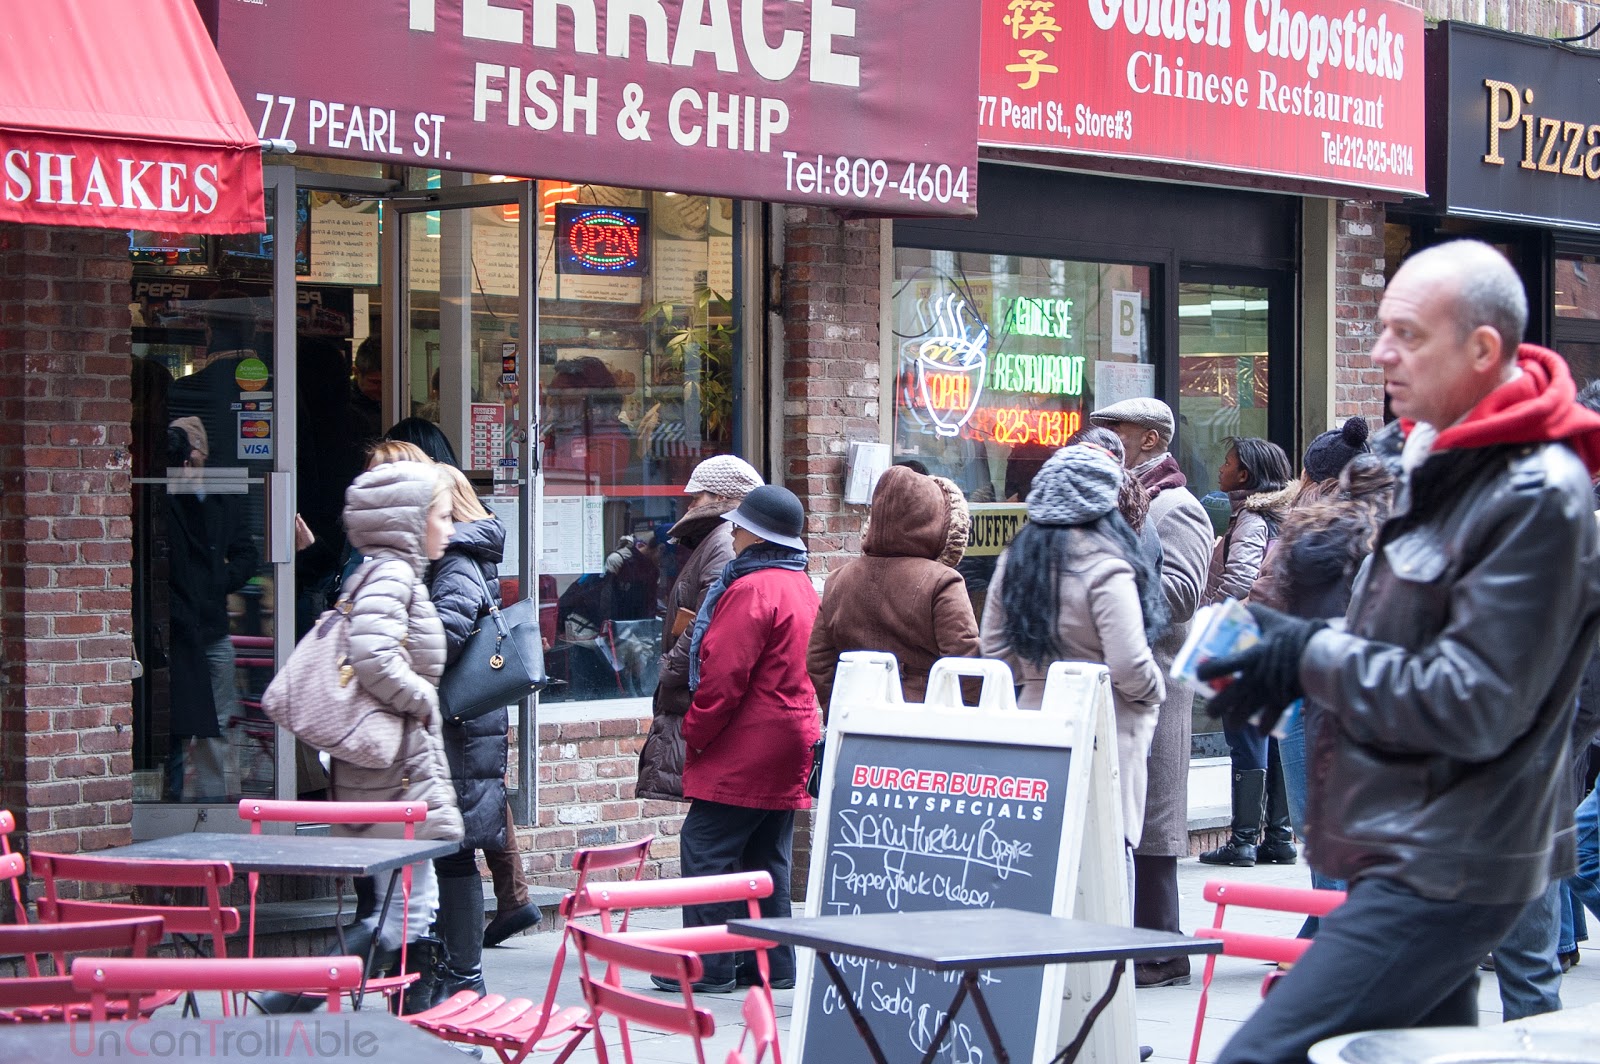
(1439, 709)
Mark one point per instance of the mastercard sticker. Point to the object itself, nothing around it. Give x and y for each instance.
(255, 436)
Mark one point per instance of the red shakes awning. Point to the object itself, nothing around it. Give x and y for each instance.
(118, 114)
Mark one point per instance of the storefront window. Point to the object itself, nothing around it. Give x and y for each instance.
(638, 355)
(1222, 374)
(999, 359)
(1577, 319)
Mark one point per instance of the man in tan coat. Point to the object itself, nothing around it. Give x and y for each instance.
(1145, 427)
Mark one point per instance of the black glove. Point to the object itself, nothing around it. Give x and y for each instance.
(1268, 673)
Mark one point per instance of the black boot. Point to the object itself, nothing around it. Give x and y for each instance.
(459, 925)
(424, 957)
(1277, 844)
(357, 937)
(1249, 787)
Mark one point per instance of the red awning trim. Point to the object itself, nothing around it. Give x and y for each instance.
(120, 115)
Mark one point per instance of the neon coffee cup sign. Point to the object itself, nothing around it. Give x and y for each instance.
(951, 364)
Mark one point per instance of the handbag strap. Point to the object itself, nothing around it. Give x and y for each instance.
(494, 610)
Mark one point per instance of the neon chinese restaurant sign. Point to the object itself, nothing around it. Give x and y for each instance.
(604, 241)
(954, 384)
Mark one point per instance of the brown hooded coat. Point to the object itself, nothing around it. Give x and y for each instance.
(903, 594)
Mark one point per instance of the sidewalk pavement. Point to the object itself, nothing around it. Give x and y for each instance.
(521, 968)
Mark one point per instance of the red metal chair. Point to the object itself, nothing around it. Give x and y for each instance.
(760, 1030)
(517, 1027)
(258, 811)
(36, 998)
(212, 919)
(607, 997)
(1275, 948)
(12, 866)
(101, 976)
(748, 887)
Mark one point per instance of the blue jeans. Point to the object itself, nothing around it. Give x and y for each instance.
(1585, 884)
(1292, 754)
(1574, 928)
(1525, 961)
(1247, 747)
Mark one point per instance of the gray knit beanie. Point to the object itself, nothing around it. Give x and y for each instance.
(1077, 485)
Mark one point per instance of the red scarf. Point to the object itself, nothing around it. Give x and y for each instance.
(1537, 407)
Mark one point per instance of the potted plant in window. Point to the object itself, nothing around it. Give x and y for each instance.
(695, 348)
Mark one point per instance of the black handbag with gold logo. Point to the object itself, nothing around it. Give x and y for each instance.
(501, 663)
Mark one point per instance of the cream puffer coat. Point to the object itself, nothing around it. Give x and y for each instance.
(397, 646)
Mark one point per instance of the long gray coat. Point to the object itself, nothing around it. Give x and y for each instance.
(1185, 533)
(397, 646)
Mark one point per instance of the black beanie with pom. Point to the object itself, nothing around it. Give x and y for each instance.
(1330, 452)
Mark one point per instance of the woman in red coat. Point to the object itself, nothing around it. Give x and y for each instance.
(750, 727)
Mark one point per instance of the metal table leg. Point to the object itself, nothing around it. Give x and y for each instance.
(1070, 1051)
(851, 1007)
(989, 1028)
(372, 944)
(949, 1019)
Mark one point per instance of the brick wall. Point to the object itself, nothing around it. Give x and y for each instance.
(65, 536)
(830, 369)
(1358, 286)
(587, 770)
(1539, 18)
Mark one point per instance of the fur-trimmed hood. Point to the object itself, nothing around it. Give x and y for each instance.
(386, 511)
(1273, 505)
(916, 516)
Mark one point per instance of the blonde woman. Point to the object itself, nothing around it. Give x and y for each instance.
(398, 514)
(477, 750)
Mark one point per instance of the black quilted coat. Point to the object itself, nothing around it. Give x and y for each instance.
(476, 750)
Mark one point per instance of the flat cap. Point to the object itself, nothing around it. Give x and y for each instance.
(1145, 412)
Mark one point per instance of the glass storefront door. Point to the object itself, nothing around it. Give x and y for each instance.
(213, 522)
(455, 362)
(1235, 351)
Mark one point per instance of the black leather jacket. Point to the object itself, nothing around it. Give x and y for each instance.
(1447, 701)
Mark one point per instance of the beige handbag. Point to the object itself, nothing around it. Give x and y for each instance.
(317, 697)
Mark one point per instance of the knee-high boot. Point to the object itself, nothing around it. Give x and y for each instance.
(1277, 841)
(1249, 788)
(459, 925)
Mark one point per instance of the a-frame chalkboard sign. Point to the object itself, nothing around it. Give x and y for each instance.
(941, 806)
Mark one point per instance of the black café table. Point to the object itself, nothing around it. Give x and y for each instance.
(969, 941)
(328, 1038)
(295, 855)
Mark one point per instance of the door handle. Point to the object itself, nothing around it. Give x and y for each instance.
(280, 518)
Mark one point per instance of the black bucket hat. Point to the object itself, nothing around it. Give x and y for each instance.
(774, 514)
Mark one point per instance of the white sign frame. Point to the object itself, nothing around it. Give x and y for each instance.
(1076, 715)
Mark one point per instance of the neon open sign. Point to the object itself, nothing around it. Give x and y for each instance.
(602, 241)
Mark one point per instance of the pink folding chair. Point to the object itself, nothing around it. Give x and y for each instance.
(1275, 948)
(748, 887)
(211, 919)
(517, 1027)
(102, 976)
(35, 998)
(258, 811)
(12, 866)
(760, 1030)
(607, 997)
